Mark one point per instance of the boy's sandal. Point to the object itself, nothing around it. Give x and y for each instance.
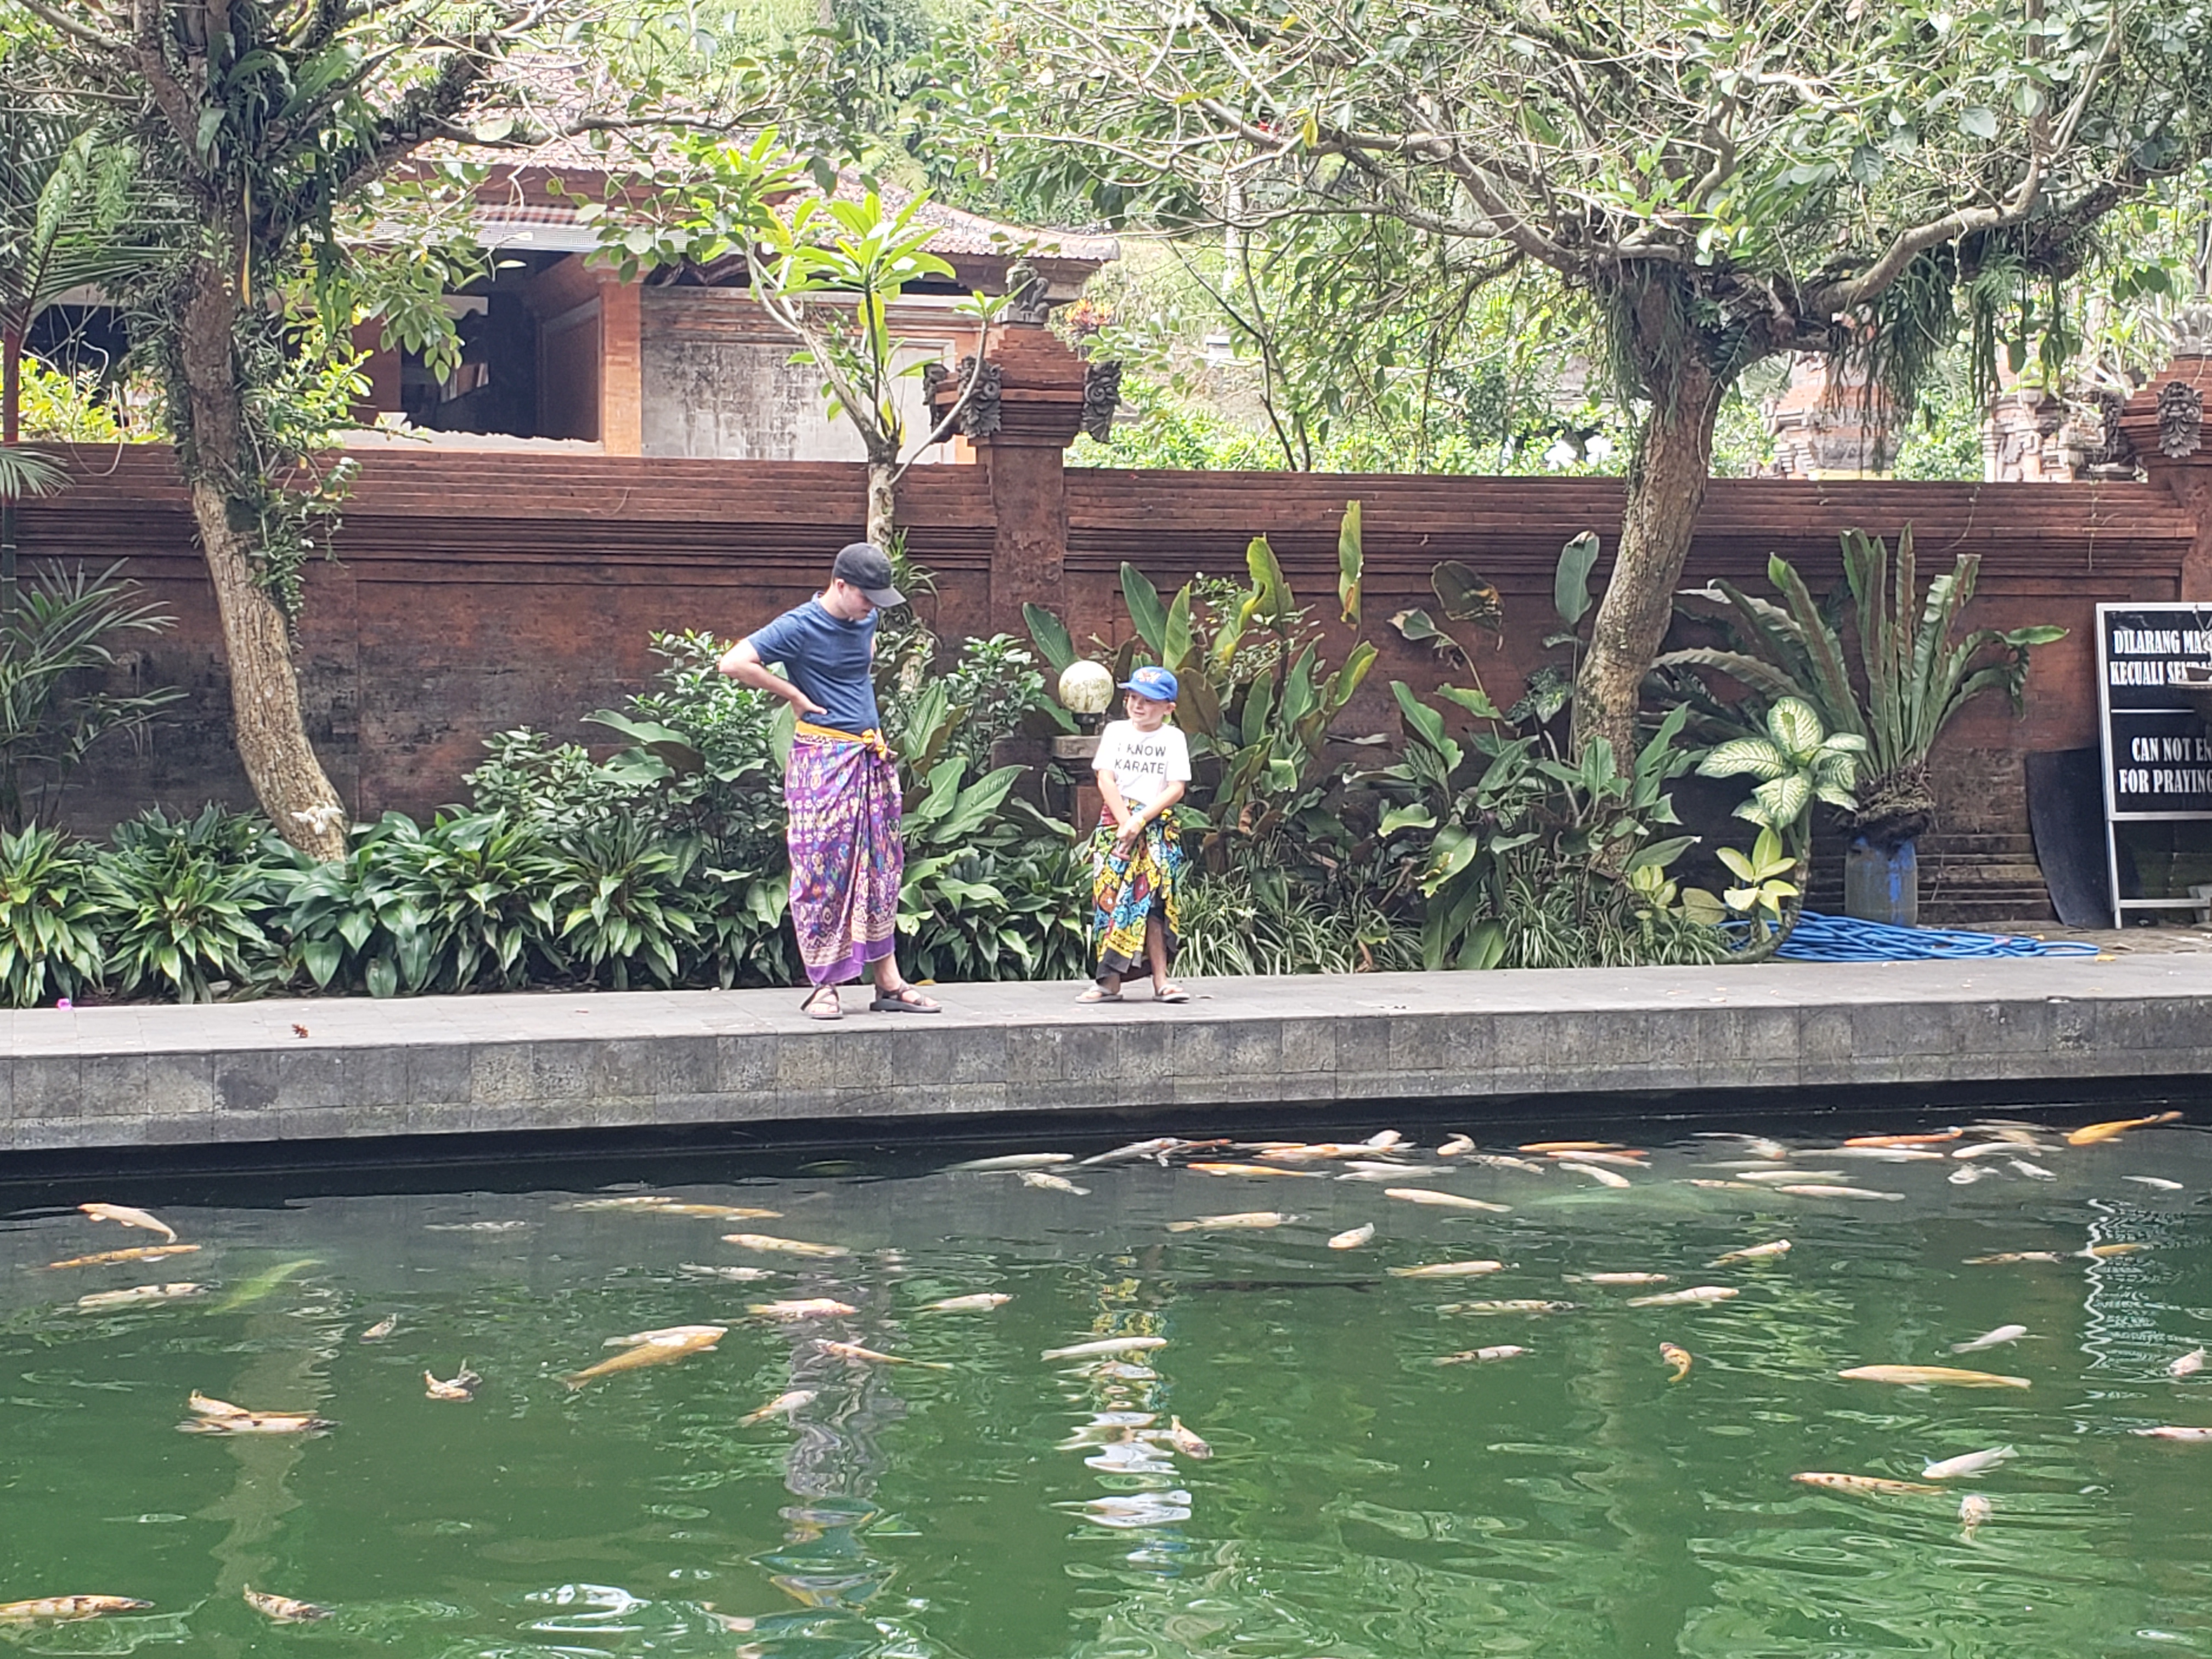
(1171, 994)
(904, 1000)
(1099, 993)
(822, 1004)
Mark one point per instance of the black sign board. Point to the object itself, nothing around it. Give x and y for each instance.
(2158, 746)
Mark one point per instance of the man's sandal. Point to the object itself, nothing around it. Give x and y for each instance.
(904, 1000)
(822, 1004)
(1171, 993)
(1099, 993)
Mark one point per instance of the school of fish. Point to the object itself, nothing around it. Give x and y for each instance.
(1981, 1152)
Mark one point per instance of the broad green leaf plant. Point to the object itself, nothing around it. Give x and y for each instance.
(1529, 856)
(1796, 762)
(1917, 670)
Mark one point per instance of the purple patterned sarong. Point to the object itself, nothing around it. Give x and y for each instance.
(847, 859)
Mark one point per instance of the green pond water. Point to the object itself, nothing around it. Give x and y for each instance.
(1361, 1499)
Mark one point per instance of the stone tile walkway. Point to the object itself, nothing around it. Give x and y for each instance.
(347, 1068)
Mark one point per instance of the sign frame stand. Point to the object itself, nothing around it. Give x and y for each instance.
(2143, 704)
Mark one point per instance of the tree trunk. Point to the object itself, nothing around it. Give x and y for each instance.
(1666, 488)
(264, 690)
(883, 505)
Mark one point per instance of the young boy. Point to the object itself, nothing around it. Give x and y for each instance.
(1136, 857)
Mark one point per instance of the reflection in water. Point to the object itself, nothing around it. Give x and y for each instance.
(835, 1459)
(1364, 1502)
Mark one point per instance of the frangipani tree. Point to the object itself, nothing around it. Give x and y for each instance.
(826, 269)
(1719, 183)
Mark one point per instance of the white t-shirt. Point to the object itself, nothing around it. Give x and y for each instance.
(1143, 763)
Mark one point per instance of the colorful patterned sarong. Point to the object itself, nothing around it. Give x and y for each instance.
(1125, 891)
(848, 859)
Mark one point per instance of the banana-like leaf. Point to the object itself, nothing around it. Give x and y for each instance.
(1467, 597)
(1351, 562)
(1146, 614)
(1298, 691)
(1352, 673)
(1484, 948)
(1658, 854)
(1424, 722)
(1230, 634)
(1476, 700)
(1571, 594)
(1659, 753)
(1259, 707)
(1416, 816)
(1050, 634)
(1268, 582)
(782, 733)
(1199, 708)
(1175, 635)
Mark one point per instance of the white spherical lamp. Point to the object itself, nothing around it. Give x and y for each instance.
(1085, 688)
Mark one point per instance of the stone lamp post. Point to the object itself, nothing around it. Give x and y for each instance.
(1086, 691)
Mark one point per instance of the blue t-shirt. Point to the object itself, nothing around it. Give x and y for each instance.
(831, 660)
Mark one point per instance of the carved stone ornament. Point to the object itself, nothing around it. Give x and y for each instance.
(981, 418)
(2113, 448)
(1026, 297)
(1102, 396)
(934, 376)
(2180, 420)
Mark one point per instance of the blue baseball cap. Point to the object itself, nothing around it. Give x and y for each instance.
(1157, 684)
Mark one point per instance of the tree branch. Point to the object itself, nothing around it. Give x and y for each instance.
(177, 105)
(943, 429)
(65, 24)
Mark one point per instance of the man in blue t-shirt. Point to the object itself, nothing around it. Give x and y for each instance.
(840, 790)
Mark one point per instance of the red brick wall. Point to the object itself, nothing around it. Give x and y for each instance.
(477, 592)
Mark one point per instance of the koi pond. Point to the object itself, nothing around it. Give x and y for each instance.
(1369, 1398)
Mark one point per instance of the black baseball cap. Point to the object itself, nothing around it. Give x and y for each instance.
(867, 567)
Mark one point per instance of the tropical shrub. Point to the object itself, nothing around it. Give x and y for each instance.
(459, 904)
(618, 895)
(1262, 920)
(1524, 859)
(49, 933)
(477, 885)
(1796, 761)
(350, 924)
(1916, 672)
(997, 683)
(184, 903)
(991, 888)
(1257, 700)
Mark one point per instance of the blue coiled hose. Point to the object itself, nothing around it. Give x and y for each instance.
(1841, 939)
